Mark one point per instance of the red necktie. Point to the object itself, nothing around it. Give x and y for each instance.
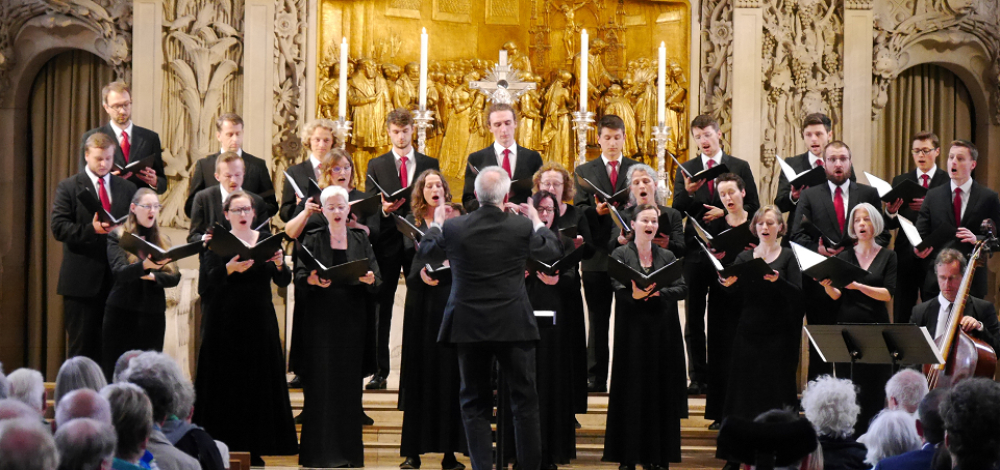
(614, 174)
(711, 182)
(820, 163)
(125, 145)
(506, 162)
(103, 194)
(958, 207)
(926, 179)
(838, 205)
(403, 173)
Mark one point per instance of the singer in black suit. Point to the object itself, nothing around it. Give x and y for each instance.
(85, 277)
(117, 102)
(522, 162)
(694, 199)
(206, 210)
(488, 313)
(386, 170)
(979, 203)
(300, 173)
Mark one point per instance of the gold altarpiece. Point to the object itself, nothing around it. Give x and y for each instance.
(542, 39)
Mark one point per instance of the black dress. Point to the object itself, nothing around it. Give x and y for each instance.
(648, 397)
(429, 380)
(856, 307)
(241, 386)
(134, 315)
(766, 346)
(334, 341)
(573, 313)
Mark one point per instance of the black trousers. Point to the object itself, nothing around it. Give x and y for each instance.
(389, 267)
(84, 322)
(599, 294)
(517, 364)
(911, 273)
(698, 275)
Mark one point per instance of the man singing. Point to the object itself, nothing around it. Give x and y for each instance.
(519, 163)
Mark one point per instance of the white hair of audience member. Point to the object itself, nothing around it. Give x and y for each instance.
(333, 190)
(162, 368)
(891, 432)
(14, 409)
(76, 373)
(831, 406)
(25, 444)
(905, 390)
(86, 444)
(28, 386)
(3, 383)
(492, 185)
(82, 403)
(132, 417)
(122, 363)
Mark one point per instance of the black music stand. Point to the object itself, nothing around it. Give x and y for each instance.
(874, 343)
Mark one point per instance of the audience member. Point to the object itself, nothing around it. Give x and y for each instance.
(905, 390)
(83, 403)
(28, 387)
(132, 417)
(971, 414)
(775, 439)
(122, 363)
(930, 427)
(14, 409)
(891, 433)
(76, 373)
(3, 383)
(831, 405)
(25, 444)
(86, 444)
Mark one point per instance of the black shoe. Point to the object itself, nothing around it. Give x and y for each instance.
(696, 388)
(256, 461)
(626, 466)
(715, 425)
(298, 417)
(597, 387)
(731, 465)
(577, 423)
(549, 466)
(410, 462)
(296, 382)
(376, 383)
(368, 421)
(450, 463)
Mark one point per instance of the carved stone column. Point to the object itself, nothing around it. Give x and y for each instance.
(858, 49)
(258, 86)
(748, 26)
(313, 51)
(147, 63)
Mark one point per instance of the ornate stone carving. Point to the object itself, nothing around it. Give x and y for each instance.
(748, 3)
(858, 4)
(289, 84)
(717, 63)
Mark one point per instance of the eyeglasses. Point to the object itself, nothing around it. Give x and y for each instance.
(546, 210)
(340, 169)
(922, 151)
(150, 207)
(121, 107)
(241, 210)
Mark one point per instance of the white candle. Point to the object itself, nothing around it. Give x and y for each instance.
(584, 68)
(661, 86)
(343, 79)
(423, 69)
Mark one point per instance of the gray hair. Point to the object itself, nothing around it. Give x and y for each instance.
(83, 403)
(878, 224)
(28, 386)
(155, 371)
(908, 387)
(492, 185)
(831, 406)
(14, 409)
(4, 386)
(76, 373)
(25, 444)
(122, 363)
(85, 444)
(132, 417)
(891, 433)
(649, 171)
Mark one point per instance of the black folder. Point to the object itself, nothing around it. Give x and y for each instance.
(143, 249)
(407, 228)
(523, 185)
(706, 174)
(820, 267)
(93, 204)
(620, 198)
(663, 277)
(815, 233)
(620, 221)
(135, 167)
(908, 190)
(733, 239)
(439, 273)
(566, 262)
(473, 169)
(367, 207)
(314, 190)
(755, 268)
(811, 177)
(341, 273)
(569, 232)
(227, 245)
(941, 235)
(401, 193)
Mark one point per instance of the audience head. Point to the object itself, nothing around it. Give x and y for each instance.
(949, 266)
(14, 409)
(547, 205)
(611, 136)
(317, 136)
(229, 132)
(905, 390)
(76, 373)
(86, 444)
(554, 178)
(117, 100)
(132, 417)
(971, 414)
(642, 181)
(502, 119)
(99, 154)
(930, 426)
(705, 130)
(925, 148)
(82, 403)
(400, 124)
(817, 132)
(337, 168)
(230, 170)
(160, 376)
(429, 191)
(122, 363)
(837, 162)
(774, 439)
(25, 444)
(891, 433)
(28, 386)
(831, 405)
(492, 185)
(865, 222)
(768, 221)
(4, 386)
(962, 157)
(732, 190)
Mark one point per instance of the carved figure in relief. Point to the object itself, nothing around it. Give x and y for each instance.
(644, 89)
(557, 134)
(411, 82)
(479, 132)
(399, 96)
(519, 61)
(456, 136)
(369, 100)
(617, 104)
(529, 123)
(676, 108)
(571, 29)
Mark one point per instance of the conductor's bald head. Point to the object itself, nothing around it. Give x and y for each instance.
(492, 186)
(82, 403)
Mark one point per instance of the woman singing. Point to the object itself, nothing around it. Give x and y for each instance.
(642, 181)
(334, 338)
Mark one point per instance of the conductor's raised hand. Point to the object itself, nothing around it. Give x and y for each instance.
(315, 280)
(528, 209)
(368, 278)
(442, 213)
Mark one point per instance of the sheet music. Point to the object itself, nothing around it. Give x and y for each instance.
(806, 257)
(880, 185)
(298, 191)
(910, 230)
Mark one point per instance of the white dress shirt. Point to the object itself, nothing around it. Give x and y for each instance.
(513, 155)
(315, 163)
(966, 188)
(813, 160)
(607, 167)
(844, 190)
(930, 175)
(93, 181)
(118, 132)
(944, 312)
(717, 158)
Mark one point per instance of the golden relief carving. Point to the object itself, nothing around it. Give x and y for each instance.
(542, 44)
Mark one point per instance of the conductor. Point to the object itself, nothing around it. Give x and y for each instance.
(488, 313)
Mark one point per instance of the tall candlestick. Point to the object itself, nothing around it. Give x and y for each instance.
(661, 86)
(584, 68)
(342, 110)
(423, 69)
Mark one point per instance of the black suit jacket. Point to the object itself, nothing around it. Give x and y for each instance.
(694, 203)
(528, 162)
(816, 203)
(257, 180)
(488, 250)
(601, 227)
(903, 247)
(143, 143)
(389, 242)
(938, 210)
(207, 210)
(783, 200)
(85, 253)
(926, 314)
(300, 173)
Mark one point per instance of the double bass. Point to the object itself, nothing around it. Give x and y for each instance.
(965, 356)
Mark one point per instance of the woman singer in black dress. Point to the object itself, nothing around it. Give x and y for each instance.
(648, 397)
(429, 380)
(241, 348)
(135, 314)
(334, 338)
(865, 301)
